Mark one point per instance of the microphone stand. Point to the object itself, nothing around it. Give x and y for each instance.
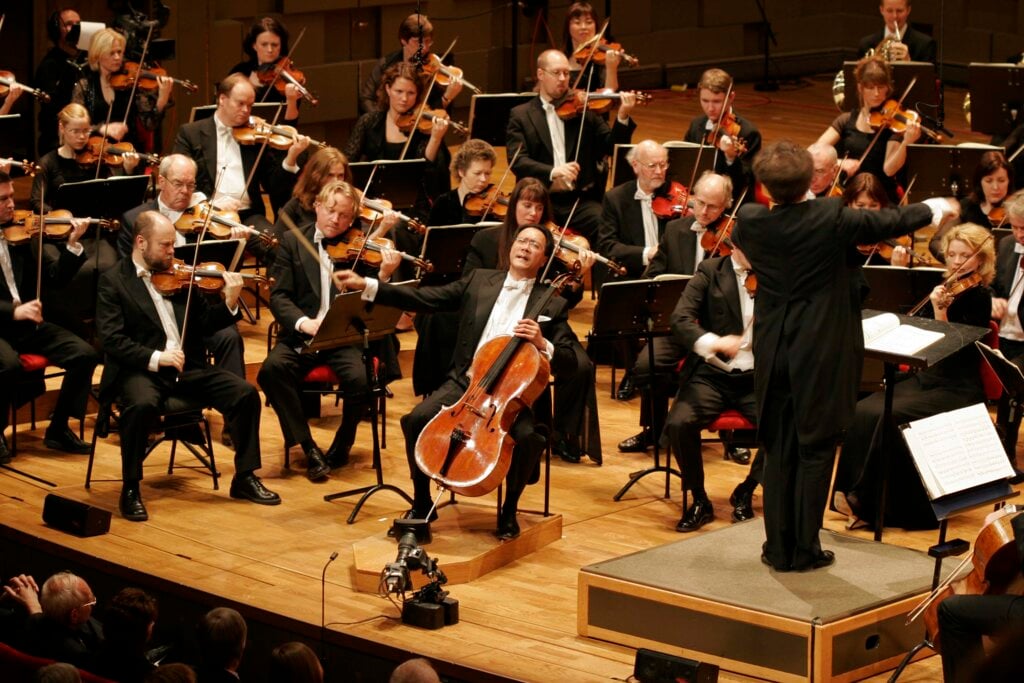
(323, 606)
(767, 83)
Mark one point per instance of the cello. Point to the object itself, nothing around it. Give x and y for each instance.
(466, 448)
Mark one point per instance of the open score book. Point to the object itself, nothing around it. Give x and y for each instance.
(885, 333)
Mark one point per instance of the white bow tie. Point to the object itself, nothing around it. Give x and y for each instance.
(643, 196)
(516, 285)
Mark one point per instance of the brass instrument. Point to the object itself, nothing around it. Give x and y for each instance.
(884, 48)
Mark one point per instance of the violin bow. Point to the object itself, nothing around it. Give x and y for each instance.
(558, 241)
(878, 133)
(423, 104)
(278, 70)
(718, 123)
(839, 169)
(362, 247)
(39, 256)
(952, 276)
(597, 41)
(583, 121)
(259, 155)
(730, 219)
(508, 169)
(135, 83)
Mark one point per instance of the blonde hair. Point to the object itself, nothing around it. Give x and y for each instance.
(977, 239)
(71, 112)
(338, 187)
(103, 43)
(715, 80)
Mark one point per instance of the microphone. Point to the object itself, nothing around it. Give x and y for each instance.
(323, 606)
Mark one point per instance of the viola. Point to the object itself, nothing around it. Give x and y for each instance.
(16, 235)
(258, 131)
(890, 115)
(147, 78)
(221, 222)
(570, 244)
(7, 81)
(282, 73)
(466, 448)
(356, 245)
(425, 123)
(597, 52)
(490, 200)
(598, 102)
(206, 277)
(28, 167)
(727, 125)
(373, 211)
(444, 73)
(112, 153)
(57, 224)
(674, 204)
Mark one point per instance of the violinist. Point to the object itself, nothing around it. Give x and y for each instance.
(570, 171)
(864, 191)
(851, 133)
(265, 44)
(736, 139)
(150, 358)
(491, 303)
(955, 382)
(299, 301)
(964, 619)
(416, 37)
(224, 164)
(24, 330)
(574, 410)
(581, 26)
(826, 168)
(108, 107)
(12, 96)
(325, 166)
(993, 182)
(901, 41)
(471, 167)
(57, 73)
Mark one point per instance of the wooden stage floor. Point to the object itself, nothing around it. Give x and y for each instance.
(519, 622)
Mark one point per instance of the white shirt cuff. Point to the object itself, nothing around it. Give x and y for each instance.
(702, 347)
(77, 249)
(289, 167)
(298, 323)
(940, 208)
(154, 362)
(549, 349)
(370, 291)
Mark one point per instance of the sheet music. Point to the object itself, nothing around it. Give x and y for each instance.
(957, 450)
(884, 333)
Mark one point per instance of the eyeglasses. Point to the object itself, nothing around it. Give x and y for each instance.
(89, 604)
(527, 242)
(559, 73)
(655, 166)
(77, 131)
(181, 185)
(700, 204)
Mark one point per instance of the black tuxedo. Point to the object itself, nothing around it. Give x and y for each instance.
(130, 331)
(740, 169)
(712, 303)
(621, 235)
(807, 328)
(1007, 265)
(528, 133)
(921, 46)
(296, 294)
(475, 296)
(60, 346)
(677, 250)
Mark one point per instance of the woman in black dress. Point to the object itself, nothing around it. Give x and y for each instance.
(471, 166)
(265, 44)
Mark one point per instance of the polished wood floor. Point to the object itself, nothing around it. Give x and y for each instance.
(518, 622)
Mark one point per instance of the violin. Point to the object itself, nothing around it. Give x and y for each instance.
(466, 448)
(112, 153)
(597, 51)
(282, 73)
(997, 216)
(373, 211)
(221, 222)
(961, 285)
(259, 131)
(356, 245)
(571, 243)
(27, 167)
(727, 125)
(147, 78)
(599, 103)
(207, 277)
(886, 247)
(718, 241)
(7, 81)
(750, 284)
(490, 200)
(57, 223)
(425, 122)
(674, 204)
(891, 116)
(443, 73)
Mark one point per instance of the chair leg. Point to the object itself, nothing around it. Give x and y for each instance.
(14, 429)
(174, 448)
(209, 449)
(383, 421)
(92, 457)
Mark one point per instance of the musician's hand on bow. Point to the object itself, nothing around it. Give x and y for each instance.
(115, 130)
(232, 288)
(563, 177)
(849, 166)
(172, 359)
(727, 346)
(31, 310)
(941, 300)
(349, 280)
(999, 308)
(530, 330)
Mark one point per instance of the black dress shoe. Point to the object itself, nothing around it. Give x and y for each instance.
(508, 528)
(564, 450)
(131, 505)
(249, 487)
(317, 468)
(627, 388)
(5, 453)
(413, 513)
(63, 439)
(225, 437)
(740, 456)
(337, 454)
(826, 559)
(699, 514)
(638, 443)
(742, 507)
(767, 562)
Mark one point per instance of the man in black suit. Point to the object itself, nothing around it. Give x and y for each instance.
(732, 152)
(547, 145)
(222, 639)
(300, 299)
(23, 330)
(908, 44)
(492, 303)
(149, 362)
(65, 628)
(808, 342)
(1006, 308)
(224, 166)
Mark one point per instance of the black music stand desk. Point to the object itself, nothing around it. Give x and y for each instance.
(445, 247)
(398, 182)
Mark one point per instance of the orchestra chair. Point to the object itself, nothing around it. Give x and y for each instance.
(989, 379)
(178, 415)
(31, 385)
(321, 381)
(20, 666)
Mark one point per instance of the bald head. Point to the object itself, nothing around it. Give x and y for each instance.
(826, 165)
(712, 195)
(176, 181)
(553, 74)
(649, 161)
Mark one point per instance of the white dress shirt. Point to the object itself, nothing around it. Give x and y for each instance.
(230, 180)
(165, 311)
(744, 359)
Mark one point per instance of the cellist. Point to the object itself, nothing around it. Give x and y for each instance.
(492, 303)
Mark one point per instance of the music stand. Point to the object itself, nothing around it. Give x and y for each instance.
(227, 253)
(445, 247)
(923, 96)
(264, 110)
(488, 115)
(1012, 381)
(681, 158)
(639, 309)
(944, 170)
(351, 321)
(897, 289)
(112, 196)
(997, 97)
(398, 182)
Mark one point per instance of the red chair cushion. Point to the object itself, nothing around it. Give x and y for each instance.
(989, 380)
(730, 420)
(321, 374)
(33, 362)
